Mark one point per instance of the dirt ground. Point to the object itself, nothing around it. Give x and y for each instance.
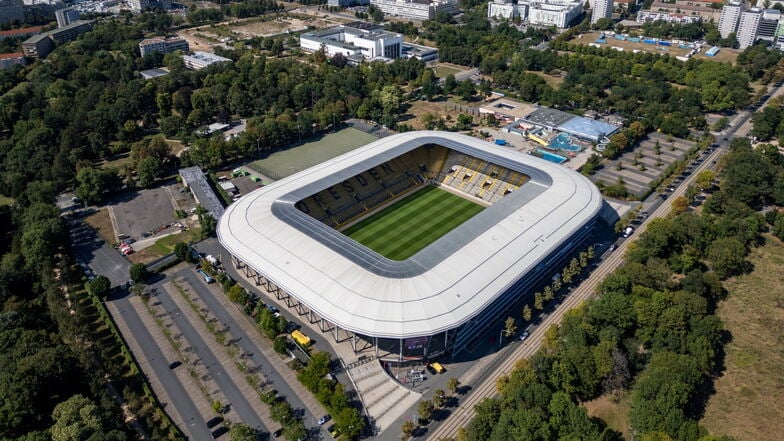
(614, 413)
(725, 55)
(413, 115)
(749, 400)
(278, 26)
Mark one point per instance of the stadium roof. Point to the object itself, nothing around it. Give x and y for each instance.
(441, 287)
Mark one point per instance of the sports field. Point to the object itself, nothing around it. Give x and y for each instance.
(402, 229)
(314, 151)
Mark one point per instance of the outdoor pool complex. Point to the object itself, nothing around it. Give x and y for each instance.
(552, 157)
(564, 142)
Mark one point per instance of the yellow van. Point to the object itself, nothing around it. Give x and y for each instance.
(300, 338)
(438, 368)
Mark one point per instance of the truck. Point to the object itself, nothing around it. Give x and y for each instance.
(628, 231)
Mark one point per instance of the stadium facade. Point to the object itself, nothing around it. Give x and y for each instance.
(287, 238)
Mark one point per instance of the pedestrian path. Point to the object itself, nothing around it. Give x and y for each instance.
(384, 399)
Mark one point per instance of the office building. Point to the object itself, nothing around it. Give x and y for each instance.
(651, 16)
(37, 46)
(730, 15)
(11, 10)
(416, 9)
(22, 32)
(344, 3)
(163, 44)
(356, 41)
(601, 9)
(66, 16)
(748, 26)
(199, 60)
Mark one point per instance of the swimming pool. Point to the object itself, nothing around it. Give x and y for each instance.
(564, 142)
(552, 157)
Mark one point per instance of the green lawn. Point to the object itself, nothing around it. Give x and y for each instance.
(405, 227)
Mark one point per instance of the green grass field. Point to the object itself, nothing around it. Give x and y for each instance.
(405, 227)
(286, 162)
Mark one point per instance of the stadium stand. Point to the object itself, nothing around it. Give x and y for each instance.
(355, 197)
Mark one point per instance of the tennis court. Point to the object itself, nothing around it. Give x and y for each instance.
(284, 163)
(402, 229)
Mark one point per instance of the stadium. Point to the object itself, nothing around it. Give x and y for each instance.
(412, 245)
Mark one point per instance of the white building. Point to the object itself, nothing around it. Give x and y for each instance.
(651, 16)
(163, 45)
(748, 27)
(416, 10)
(200, 60)
(554, 14)
(730, 14)
(769, 25)
(66, 16)
(557, 13)
(601, 9)
(505, 9)
(354, 41)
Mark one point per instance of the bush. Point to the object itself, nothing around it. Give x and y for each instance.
(279, 345)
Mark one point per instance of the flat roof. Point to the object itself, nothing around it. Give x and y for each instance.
(194, 178)
(441, 287)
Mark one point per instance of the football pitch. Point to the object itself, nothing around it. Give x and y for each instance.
(402, 229)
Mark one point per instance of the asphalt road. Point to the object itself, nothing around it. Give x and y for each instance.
(506, 360)
(91, 250)
(180, 399)
(246, 343)
(236, 400)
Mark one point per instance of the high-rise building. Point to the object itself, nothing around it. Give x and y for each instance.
(769, 24)
(730, 14)
(748, 26)
(66, 16)
(601, 9)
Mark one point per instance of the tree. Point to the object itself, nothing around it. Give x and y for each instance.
(439, 398)
(705, 179)
(727, 256)
(75, 419)
(238, 295)
(450, 84)
(452, 385)
(425, 410)
(680, 204)
(295, 431)
(182, 251)
(150, 169)
(407, 429)
(138, 272)
(243, 432)
(527, 313)
(538, 301)
(99, 286)
(510, 327)
(92, 184)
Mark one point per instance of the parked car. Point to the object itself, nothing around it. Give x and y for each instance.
(174, 364)
(220, 431)
(523, 336)
(324, 419)
(212, 422)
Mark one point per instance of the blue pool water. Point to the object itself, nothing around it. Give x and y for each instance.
(563, 142)
(552, 157)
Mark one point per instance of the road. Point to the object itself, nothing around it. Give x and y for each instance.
(608, 263)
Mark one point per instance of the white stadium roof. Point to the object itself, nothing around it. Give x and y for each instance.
(437, 289)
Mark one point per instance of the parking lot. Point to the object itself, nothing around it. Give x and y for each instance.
(637, 168)
(144, 211)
